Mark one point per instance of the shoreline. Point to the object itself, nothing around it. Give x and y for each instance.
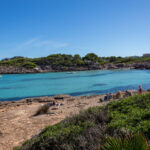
(48, 68)
(38, 98)
(23, 99)
(56, 71)
(46, 99)
(13, 99)
(42, 99)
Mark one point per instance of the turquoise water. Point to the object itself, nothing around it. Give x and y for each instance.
(18, 86)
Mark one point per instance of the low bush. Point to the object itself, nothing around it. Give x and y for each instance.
(42, 110)
(130, 142)
(64, 60)
(29, 65)
(132, 113)
(83, 131)
(89, 129)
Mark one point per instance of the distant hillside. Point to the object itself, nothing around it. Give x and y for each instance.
(91, 128)
(63, 62)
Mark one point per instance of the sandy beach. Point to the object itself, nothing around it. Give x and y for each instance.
(18, 124)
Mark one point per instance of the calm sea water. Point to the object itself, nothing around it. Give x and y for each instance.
(18, 86)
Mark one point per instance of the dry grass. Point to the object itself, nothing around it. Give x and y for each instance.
(1, 133)
(42, 110)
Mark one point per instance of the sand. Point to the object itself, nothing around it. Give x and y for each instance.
(17, 123)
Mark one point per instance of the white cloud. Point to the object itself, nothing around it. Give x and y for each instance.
(27, 43)
(34, 47)
(35, 42)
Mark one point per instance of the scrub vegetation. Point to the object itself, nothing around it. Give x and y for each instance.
(120, 125)
(69, 60)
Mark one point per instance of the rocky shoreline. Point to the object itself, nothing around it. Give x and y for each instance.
(48, 68)
(46, 99)
(29, 101)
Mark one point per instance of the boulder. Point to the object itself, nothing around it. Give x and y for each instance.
(144, 65)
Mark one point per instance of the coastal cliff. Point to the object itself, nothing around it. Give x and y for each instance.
(49, 68)
(63, 62)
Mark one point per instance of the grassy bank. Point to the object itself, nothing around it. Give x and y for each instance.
(90, 129)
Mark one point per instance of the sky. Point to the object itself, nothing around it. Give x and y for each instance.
(37, 28)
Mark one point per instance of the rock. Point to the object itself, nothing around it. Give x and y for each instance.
(58, 97)
(1, 133)
(122, 65)
(54, 68)
(61, 97)
(28, 100)
(144, 65)
(112, 66)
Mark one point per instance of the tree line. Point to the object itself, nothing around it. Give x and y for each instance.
(70, 60)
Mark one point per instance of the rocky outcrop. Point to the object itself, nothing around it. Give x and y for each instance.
(117, 66)
(13, 70)
(49, 68)
(122, 65)
(144, 65)
(29, 101)
(112, 66)
(22, 70)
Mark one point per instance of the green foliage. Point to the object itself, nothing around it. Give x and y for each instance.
(89, 129)
(60, 60)
(91, 57)
(78, 132)
(20, 62)
(112, 59)
(29, 65)
(132, 113)
(77, 60)
(64, 60)
(130, 142)
(16, 148)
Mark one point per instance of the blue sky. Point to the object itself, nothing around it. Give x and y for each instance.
(36, 28)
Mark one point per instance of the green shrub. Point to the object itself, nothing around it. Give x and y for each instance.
(29, 65)
(16, 148)
(100, 100)
(130, 142)
(80, 131)
(89, 129)
(132, 113)
(64, 60)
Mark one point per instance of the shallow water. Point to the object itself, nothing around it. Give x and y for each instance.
(18, 86)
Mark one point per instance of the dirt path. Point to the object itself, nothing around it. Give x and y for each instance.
(17, 123)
